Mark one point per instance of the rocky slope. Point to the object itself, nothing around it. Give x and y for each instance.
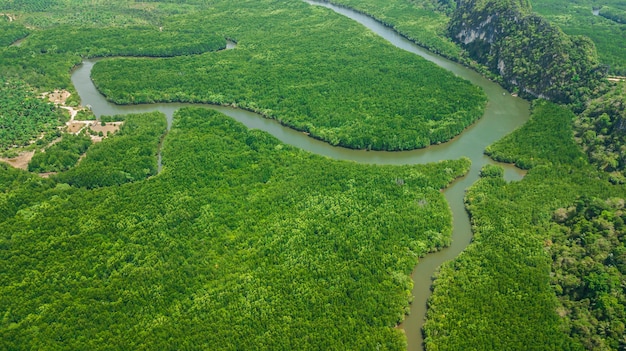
(532, 56)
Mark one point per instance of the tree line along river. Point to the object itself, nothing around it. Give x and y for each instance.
(502, 115)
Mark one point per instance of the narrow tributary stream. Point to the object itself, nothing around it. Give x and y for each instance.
(503, 114)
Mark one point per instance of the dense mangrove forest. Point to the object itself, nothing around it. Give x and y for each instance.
(157, 231)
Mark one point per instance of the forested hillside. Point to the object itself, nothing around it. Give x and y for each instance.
(61, 156)
(602, 21)
(601, 130)
(129, 156)
(530, 55)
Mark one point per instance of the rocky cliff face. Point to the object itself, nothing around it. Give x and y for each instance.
(531, 56)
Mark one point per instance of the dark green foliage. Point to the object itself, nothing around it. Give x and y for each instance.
(115, 118)
(27, 5)
(423, 22)
(492, 171)
(18, 189)
(62, 155)
(577, 18)
(545, 139)
(44, 71)
(589, 271)
(529, 54)
(613, 14)
(241, 242)
(23, 115)
(497, 295)
(129, 155)
(85, 115)
(11, 32)
(295, 65)
(601, 130)
(110, 28)
(135, 41)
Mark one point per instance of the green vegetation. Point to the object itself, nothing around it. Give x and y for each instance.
(601, 130)
(24, 116)
(616, 15)
(135, 41)
(292, 63)
(241, 242)
(315, 80)
(130, 155)
(10, 32)
(576, 18)
(42, 71)
(499, 288)
(62, 155)
(589, 271)
(66, 30)
(530, 55)
(423, 22)
(121, 13)
(539, 141)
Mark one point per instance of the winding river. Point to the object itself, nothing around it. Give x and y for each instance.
(503, 114)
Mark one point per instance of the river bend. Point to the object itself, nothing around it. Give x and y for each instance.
(502, 115)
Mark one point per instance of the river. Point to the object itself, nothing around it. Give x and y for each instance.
(502, 115)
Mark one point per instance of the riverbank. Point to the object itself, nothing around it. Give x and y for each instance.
(503, 114)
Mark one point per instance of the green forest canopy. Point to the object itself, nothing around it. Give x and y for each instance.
(240, 242)
(24, 116)
(305, 67)
(500, 287)
(291, 64)
(119, 248)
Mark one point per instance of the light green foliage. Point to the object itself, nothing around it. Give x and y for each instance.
(577, 18)
(241, 242)
(292, 63)
(23, 115)
(129, 155)
(305, 66)
(497, 294)
(589, 271)
(423, 22)
(543, 140)
(62, 155)
(49, 13)
(44, 71)
(65, 30)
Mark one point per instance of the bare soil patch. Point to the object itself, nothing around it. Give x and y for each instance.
(110, 127)
(47, 174)
(107, 129)
(21, 161)
(58, 96)
(75, 127)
